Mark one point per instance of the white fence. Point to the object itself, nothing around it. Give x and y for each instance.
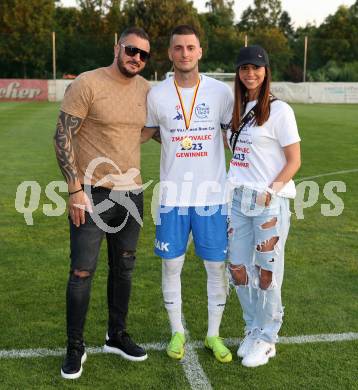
(316, 92)
(289, 92)
(56, 89)
(53, 91)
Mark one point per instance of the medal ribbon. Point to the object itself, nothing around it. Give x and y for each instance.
(186, 120)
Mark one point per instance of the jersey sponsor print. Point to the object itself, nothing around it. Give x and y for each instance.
(258, 156)
(190, 122)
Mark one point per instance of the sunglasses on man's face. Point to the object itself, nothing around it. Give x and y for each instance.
(131, 51)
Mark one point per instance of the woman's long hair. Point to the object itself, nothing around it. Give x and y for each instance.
(262, 108)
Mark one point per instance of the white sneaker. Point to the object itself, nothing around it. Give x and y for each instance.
(260, 353)
(245, 345)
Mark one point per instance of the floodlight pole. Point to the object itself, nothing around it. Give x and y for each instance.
(115, 39)
(305, 59)
(54, 55)
(245, 40)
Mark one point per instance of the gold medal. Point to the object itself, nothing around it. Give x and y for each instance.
(187, 143)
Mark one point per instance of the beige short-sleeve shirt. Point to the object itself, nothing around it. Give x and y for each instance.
(114, 113)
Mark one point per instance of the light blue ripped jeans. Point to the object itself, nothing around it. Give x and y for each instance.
(262, 309)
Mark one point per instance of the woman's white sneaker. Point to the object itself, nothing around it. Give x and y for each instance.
(260, 353)
(245, 345)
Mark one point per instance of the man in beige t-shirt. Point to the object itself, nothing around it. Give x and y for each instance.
(97, 145)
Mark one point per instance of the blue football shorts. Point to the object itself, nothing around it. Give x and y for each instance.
(208, 225)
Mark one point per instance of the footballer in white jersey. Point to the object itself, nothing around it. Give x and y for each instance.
(189, 112)
(202, 161)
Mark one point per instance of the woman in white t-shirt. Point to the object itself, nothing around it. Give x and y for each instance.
(266, 155)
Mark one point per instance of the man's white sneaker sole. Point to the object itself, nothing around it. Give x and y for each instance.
(77, 374)
(118, 351)
(251, 361)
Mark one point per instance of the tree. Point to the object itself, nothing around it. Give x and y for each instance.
(275, 43)
(265, 14)
(297, 45)
(85, 35)
(115, 19)
(67, 42)
(25, 29)
(285, 24)
(338, 35)
(95, 47)
(223, 41)
(267, 25)
(158, 18)
(332, 45)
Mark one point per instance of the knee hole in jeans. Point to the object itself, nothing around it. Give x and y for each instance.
(265, 279)
(127, 254)
(268, 245)
(269, 224)
(81, 274)
(238, 274)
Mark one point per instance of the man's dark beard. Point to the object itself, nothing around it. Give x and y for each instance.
(123, 70)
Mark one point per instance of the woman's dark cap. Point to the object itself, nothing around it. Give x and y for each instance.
(255, 55)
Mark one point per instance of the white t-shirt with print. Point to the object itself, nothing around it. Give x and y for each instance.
(193, 177)
(258, 157)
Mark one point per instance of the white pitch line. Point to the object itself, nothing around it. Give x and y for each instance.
(319, 338)
(45, 352)
(192, 368)
(326, 174)
(314, 338)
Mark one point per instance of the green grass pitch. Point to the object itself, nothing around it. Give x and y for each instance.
(320, 288)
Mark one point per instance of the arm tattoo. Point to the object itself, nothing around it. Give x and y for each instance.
(67, 126)
(156, 136)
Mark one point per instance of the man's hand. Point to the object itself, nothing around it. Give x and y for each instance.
(78, 203)
(150, 132)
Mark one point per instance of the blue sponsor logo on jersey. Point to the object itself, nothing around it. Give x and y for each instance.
(178, 116)
(202, 110)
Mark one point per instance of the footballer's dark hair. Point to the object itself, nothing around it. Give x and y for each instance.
(184, 29)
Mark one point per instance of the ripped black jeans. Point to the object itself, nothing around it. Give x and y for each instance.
(120, 225)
